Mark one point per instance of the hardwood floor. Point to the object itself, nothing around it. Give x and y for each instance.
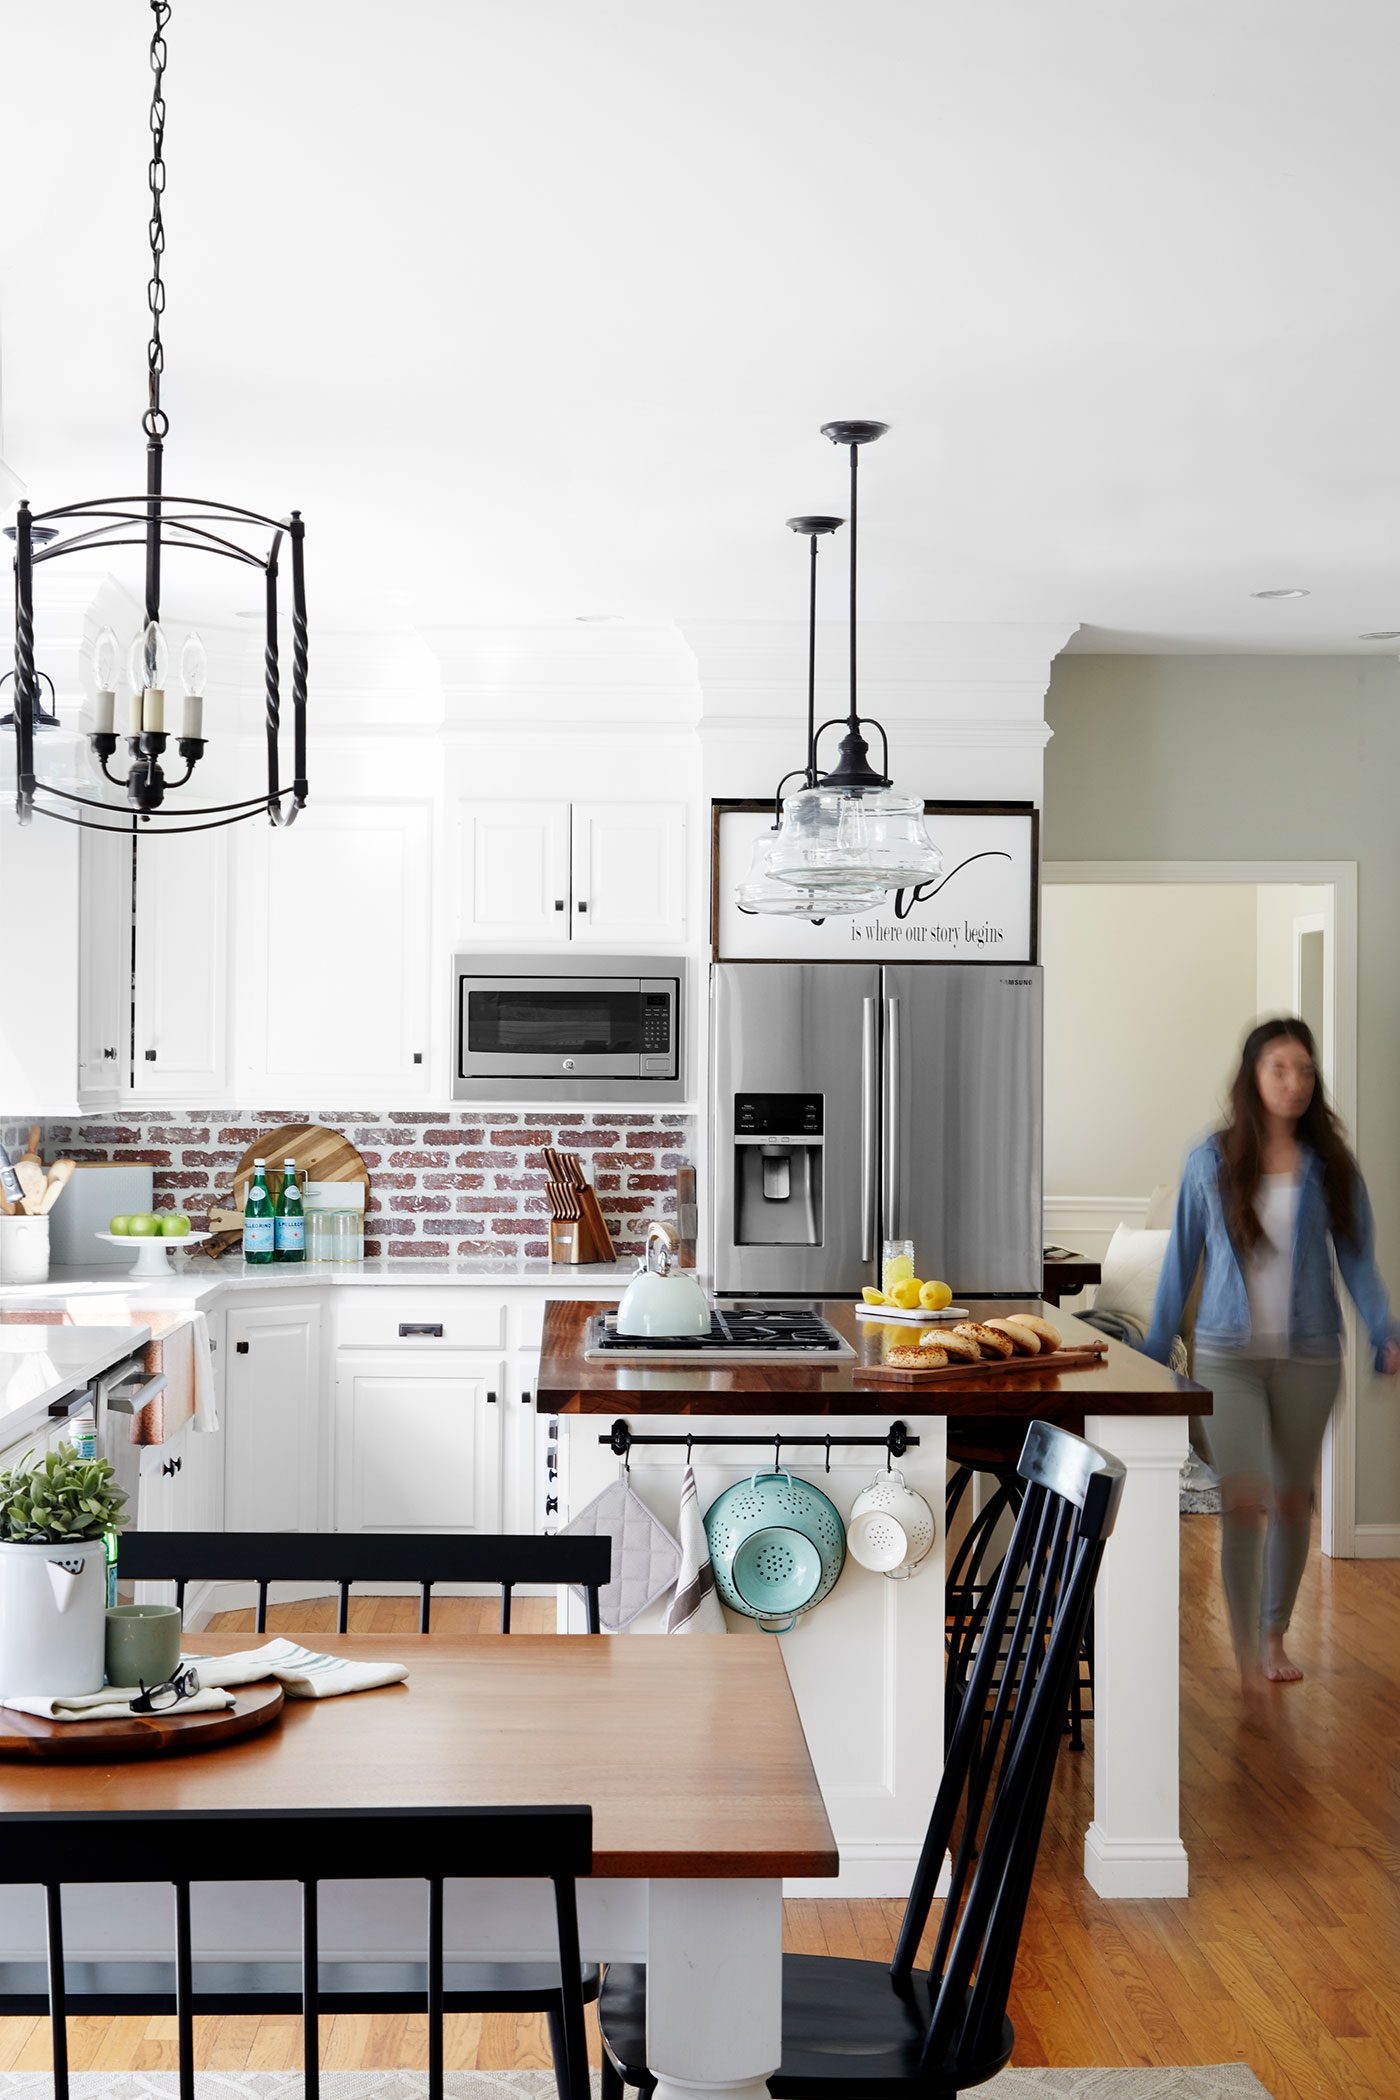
(1285, 1956)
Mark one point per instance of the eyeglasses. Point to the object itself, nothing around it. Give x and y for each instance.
(161, 1697)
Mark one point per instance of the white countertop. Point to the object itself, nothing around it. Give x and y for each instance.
(40, 1363)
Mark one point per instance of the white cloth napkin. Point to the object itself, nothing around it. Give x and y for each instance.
(206, 1414)
(694, 1608)
(302, 1672)
(113, 1703)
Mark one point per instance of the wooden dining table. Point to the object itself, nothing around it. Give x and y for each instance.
(689, 1751)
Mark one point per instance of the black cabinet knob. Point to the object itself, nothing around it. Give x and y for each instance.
(582, 905)
(558, 904)
(551, 1505)
(241, 1347)
(524, 1399)
(491, 1399)
(418, 1057)
(109, 1053)
(150, 1057)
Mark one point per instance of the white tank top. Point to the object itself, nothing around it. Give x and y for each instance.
(1268, 1269)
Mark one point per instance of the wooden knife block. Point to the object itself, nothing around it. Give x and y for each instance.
(582, 1239)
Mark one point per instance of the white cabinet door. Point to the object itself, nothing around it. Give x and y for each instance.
(628, 872)
(418, 1441)
(334, 939)
(512, 877)
(273, 1420)
(182, 961)
(179, 1484)
(104, 966)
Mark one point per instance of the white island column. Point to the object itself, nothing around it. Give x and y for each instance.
(1133, 1846)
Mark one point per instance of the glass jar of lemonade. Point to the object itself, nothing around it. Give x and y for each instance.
(896, 1264)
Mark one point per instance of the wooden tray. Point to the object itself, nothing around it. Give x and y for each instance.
(141, 1735)
(321, 1154)
(1076, 1359)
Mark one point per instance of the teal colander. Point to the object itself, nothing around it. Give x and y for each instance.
(769, 1537)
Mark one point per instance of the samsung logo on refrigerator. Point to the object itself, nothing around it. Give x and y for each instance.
(1015, 980)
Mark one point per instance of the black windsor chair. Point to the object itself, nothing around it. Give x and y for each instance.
(309, 1846)
(340, 1558)
(854, 2029)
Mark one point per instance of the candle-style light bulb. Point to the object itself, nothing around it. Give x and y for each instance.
(106, 658)
(147, 667)
(194, 670)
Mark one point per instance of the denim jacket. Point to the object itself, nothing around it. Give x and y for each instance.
(1315, 1317)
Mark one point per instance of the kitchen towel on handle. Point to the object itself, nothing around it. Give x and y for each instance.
(303, 1673)
(695, 1608)
(645, 1558)
(182, 1353)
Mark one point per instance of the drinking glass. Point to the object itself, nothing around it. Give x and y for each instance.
(896, 1263)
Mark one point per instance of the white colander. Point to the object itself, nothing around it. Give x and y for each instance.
(890, 1495)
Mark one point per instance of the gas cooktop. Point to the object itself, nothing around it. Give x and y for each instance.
(738, 1334)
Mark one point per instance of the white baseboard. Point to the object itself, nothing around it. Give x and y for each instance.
(1137, 1867)
(1376, 1542)
(868, 1871)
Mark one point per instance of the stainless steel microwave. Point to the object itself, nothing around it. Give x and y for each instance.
(568, 1028)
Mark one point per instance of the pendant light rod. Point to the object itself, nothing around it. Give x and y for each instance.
(813, 529)
(853, 768)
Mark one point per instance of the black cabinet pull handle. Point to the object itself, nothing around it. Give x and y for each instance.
(150, 1057)
(582, 904)
(524, 1399)
(551, 1505)
(558, 904)
(431, 1328)
(109, 1053)
(418, 1057)
(491, 1399)
(172, 1467)
(241, 1347)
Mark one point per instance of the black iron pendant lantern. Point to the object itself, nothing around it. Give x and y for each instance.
(160, 523)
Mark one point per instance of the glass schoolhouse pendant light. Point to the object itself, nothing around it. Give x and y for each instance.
(759, 891)
(159, 523)
(849, 831)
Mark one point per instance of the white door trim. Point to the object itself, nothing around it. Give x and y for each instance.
(1339, 1445)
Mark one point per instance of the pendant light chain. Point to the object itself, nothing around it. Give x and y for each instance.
(155, 422)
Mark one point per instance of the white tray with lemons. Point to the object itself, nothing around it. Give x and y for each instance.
(909, 1300)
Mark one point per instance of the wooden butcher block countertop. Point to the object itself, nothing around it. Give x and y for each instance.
(1125, 1383)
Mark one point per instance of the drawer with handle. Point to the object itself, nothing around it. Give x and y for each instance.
(452, 1319)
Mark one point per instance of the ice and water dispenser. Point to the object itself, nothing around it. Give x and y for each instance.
(778, 1170)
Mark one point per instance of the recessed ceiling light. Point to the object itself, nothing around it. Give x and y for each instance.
(1381, 634)
(1292, 592)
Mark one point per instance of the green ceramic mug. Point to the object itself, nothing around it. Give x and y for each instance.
(143, 1644)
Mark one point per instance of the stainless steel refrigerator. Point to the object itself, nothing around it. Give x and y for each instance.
(853, 1103)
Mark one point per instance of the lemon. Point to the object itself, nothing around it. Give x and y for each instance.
(906, 1294)
(933, 1297)
(872, 1296)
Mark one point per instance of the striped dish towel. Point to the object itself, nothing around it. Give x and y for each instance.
(302, 1673)
(694, 1608)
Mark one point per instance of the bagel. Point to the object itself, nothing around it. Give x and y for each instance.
(1048, 1335)
(954, 1344)
(1023, 1341)
(906, 1356)
(988, 1340)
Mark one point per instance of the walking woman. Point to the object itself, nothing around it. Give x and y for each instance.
(1267, 1201)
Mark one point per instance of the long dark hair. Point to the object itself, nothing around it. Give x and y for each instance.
(1241, 1140)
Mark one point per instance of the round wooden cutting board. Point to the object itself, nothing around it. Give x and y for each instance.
(321, 1154)
(138, 1735)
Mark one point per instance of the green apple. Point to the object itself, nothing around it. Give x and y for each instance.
(143, 1225)
(175, 1226)
(119, 1227)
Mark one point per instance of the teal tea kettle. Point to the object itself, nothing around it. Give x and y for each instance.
(662, 1299)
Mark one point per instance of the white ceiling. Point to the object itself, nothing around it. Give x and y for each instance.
(534, 307)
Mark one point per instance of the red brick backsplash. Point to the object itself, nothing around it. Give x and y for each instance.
(439, 1185)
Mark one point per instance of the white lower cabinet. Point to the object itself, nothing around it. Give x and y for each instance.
(418, 1440)
(272, 1419)
(181, 1483)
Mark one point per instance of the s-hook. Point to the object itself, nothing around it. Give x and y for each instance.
(828, 1451)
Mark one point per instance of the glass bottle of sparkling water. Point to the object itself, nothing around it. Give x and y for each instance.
(258, 1217)
(289, 1220)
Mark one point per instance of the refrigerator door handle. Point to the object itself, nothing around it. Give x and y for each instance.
(869, 1126)
(893, 1151)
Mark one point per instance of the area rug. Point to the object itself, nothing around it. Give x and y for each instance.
(1205, 2082)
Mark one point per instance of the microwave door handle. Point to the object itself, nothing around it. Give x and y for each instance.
(869, 1126)
(893, 1145)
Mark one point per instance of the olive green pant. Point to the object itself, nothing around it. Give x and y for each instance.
(1265, 1433)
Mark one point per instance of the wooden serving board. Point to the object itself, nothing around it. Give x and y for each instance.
(1076, 1359)
(321, 1154)
(138, 1735)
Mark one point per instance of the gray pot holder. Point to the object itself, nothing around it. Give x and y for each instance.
(645, 1558)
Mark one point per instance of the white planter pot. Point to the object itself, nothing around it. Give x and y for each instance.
(53, 1618)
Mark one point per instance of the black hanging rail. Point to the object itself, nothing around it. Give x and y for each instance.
(894, 1443)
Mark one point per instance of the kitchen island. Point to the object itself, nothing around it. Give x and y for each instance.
(866, 1665)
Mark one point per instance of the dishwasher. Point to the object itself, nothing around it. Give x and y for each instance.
(114, 1399)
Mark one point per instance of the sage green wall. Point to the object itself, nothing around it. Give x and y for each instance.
(1259, 758)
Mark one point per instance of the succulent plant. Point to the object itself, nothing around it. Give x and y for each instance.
(61, 1499)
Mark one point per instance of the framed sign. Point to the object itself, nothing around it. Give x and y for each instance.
(982, 907)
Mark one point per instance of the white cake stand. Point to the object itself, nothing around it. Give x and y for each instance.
(151, 1249)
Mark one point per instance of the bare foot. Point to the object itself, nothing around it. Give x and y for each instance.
(1277, 1665)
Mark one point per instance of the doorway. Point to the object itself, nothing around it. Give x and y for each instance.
(1154, 974)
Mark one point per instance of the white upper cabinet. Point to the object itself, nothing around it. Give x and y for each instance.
(512, 873)
(334, 940)
(180, 1011)
(104, 976)
(606, 873)
(628, 872)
